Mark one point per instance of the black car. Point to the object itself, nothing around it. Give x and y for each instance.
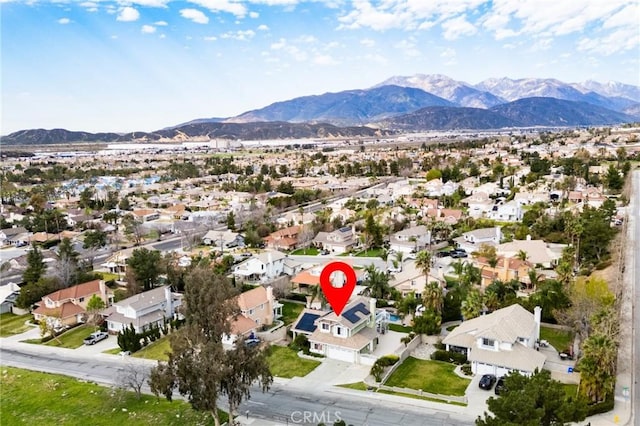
(487, 381)
(499, 386)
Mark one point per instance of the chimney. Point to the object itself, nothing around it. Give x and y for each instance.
(372, 310)
(528, 237)
(167, 307)
(537, 315)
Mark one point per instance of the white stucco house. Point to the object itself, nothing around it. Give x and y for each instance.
(261, 267)
(410, 240)
(500, 342)
(144, 310)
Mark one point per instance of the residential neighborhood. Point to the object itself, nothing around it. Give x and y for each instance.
(467, 259)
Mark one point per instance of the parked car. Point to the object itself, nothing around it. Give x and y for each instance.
(499, 386)
(457, 253)
(444, 253)
(95, 338)
(487, 381)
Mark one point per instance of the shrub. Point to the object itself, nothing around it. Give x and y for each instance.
(600, 407)
(466, 369)
(449, 356)
(387, 360)
(301, 343)
(377, 371)
(298, 297)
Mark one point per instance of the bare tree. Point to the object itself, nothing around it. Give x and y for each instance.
(133, 377)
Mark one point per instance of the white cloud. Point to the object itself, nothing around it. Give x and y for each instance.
(239, 35)
(91, 6)
(210, 38)
(64, 21)
(367, 42)
(263, 27)
(150, 3)
(161, 36)
(161, 23)
(456, 27)
(195, 15)
(408, 47)
(450, 56)
(148, 29)
(128, 14)
(254, 15)
(324, 60)
(228, 6)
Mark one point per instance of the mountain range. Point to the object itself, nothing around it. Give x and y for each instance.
(400, 103)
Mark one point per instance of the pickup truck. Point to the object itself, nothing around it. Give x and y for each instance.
(95, 337)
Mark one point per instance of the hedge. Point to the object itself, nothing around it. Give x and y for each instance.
(448, 356)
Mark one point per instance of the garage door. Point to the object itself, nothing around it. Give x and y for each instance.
(340, 354)
(481, 368)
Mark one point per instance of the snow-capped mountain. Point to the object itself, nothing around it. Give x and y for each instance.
(458, 92)
(610, 88)
(512, 90)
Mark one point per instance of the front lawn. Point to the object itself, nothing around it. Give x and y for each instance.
(559, 339)
(11, 324)
(285, 362)
(290, 312)
(309, 251)
(73, 338)
(357, 386)
(374, 252)
(156, 350)
(35, 398)
(430, 376)
(107, 276)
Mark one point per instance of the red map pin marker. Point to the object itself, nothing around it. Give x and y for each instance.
(337, 296)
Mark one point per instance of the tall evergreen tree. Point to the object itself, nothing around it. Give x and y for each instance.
(36, 267)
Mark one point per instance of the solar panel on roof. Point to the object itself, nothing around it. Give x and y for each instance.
(306, 323)
(351, 314)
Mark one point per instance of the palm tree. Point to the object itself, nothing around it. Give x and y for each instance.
(423, 261)
(472, 305)
(433, 297)
(598, 367)
(317, 293)
(535, 278)
(458, 268)
(522, 255)
(398, 259)
(377, 283)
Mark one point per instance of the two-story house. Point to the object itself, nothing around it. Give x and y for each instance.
(284, 239)
(17, 236)
(261, 267)
(143, 310)
(506, 269)
(500, 342)
(339, 241)
(342, 337)
(472, 240)
(69, 305)
(410, 240)
(258, 308)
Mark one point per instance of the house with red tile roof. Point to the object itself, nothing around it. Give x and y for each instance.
(68, 306)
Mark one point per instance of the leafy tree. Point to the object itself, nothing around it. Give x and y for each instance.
(133, 228)
(145, 266)
(613, 179)
(377, 282)
(428, 323)
(94, 306)
(199, 368)
(408, 304)
(48, 327)
(471, 306)
(433, 297)
(231, 221)
(372, 231)
(94, 239)
(129, 339)
(86, 198)
(33, 292)
(532, 401)
(36, 267)
(433, 174)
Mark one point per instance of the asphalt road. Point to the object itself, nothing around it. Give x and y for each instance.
(282, 403)
(633, 268)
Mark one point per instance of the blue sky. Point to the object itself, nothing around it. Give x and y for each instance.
(146, 64)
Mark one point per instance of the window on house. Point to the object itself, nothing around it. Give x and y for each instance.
(338, 331)
(81, 299)
(250, 311)
(325, 326)
(487, 342)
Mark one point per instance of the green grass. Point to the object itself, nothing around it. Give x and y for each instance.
(114, 351)
(73, 338)
(400, 328)
(429, 376)
(290, 312)
(451, 327)
(309, 251)
(285, 362)
(11, 324)
(156, 350)
(357, 386)
(49, 399)
(375, 252)
(570, 390)
(410, 395)
(108, 276)
(559, 339)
